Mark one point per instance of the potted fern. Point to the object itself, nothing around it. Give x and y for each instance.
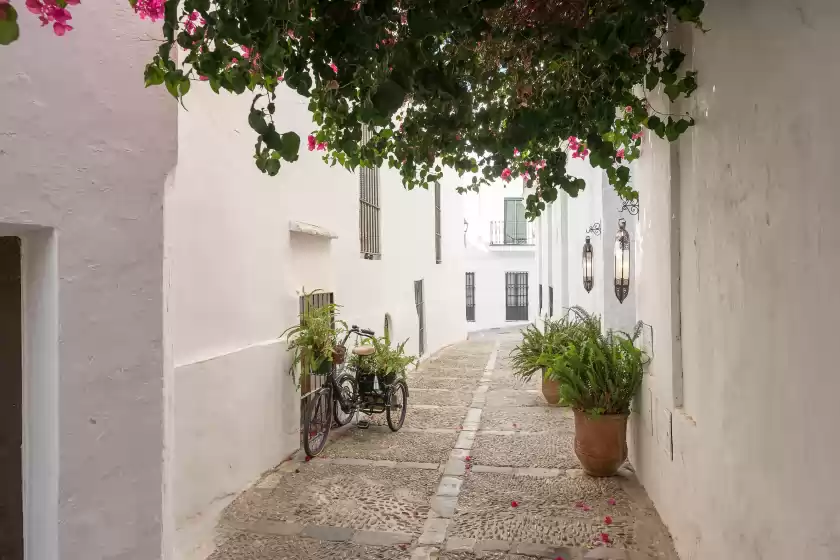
(530, 356)
(598, 374)
(387, 362)
(313, 342)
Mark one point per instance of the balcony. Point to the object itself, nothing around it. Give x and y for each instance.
(512, 234)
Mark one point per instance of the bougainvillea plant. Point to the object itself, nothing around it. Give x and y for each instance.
(491, 88)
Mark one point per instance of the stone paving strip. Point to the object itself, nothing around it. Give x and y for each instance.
(414, 495)
(445, 501)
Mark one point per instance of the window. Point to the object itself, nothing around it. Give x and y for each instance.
(369, 208)
(421, 316)
(551, 301)
(516, 296)
(471, 296)
(388, 327)
(437, 224)
(516, 228)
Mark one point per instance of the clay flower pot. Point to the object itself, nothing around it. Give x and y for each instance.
(551, 390)
(601, 442)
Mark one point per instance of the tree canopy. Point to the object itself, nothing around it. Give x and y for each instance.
(491, 88)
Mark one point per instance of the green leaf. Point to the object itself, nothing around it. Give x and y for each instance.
(388, 98)
(272, 167)
(652, 79)
(672, 91)
(291, 146)
(132, 3)
(256, 120)
(9, 30)
(154, 75)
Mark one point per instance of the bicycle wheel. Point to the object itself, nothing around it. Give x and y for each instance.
(349, 394)
(397, 405)
(317, 421)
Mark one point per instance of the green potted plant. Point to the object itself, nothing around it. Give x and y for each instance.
(387, 362)
(313, 341)
(598, 374)
(537, 344)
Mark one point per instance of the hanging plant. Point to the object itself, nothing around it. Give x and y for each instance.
(491, 88)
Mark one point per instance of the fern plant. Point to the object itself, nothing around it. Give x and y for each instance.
(388, 362)
(313, 340)
(597, 373)
(532, 353)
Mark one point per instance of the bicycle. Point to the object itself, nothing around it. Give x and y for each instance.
(346, 393)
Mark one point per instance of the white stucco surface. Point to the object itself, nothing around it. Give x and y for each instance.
(84, 150)
(754, 462)
(236, 271)
(491, 262)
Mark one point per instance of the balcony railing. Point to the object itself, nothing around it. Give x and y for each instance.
(510, 233)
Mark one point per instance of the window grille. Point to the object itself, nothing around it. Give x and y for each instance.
(369, 226)
(516, 296)
(470, 296)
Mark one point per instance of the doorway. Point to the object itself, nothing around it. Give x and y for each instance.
(11, 397)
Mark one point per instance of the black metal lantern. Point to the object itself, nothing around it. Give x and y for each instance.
(622, 261)
(588, 276)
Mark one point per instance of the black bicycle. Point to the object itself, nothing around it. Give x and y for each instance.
(351, 389)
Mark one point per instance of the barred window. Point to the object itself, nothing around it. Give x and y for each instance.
(369, 208)
(438, 256)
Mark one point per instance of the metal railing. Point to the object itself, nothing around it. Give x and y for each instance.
(512, 233)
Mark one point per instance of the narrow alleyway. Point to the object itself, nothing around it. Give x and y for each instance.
(482, 468)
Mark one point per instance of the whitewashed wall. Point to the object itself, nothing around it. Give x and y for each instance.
(490, 263)
(751, 238)
(84, 153)
(235, 275)
(566, 222)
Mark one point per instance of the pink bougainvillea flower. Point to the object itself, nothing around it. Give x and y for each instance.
(586, 507)
(311, 142)
(203, 78)
(404, 18)
(526, 176)
(246, 52)
(515, 152)
(514, 504)
(60, 28)
(73, 2)
(291, 33)
(637, 136)
(321, 146)
(620, 153)
(573, 143)
(611, 501)
(457, 137)
(605, 538)
(468, 458)
(506, 174)
(193, 15)
(334, 67)
(34, 6)
(608, 520)
(628, 109)
(152, 9)
(357, 6)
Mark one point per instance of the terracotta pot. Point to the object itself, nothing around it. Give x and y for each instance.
(601, 442)
(551, 390)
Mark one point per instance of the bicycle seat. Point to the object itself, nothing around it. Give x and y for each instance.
(364, 350)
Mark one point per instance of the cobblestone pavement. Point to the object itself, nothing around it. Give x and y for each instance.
(483, 468)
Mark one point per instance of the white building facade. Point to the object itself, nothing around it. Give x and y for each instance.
(564, 228)
(236, 274)
(148, 269)
(735, 250)
(502, 287)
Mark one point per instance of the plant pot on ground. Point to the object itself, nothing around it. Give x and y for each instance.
(598, 374)
(537, 345)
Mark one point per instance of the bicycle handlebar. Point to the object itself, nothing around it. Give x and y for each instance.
(358, 330)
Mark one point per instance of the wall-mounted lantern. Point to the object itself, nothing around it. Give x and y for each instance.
(622, 261)
(588, 276)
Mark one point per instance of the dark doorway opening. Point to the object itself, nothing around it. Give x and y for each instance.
(11, 397)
